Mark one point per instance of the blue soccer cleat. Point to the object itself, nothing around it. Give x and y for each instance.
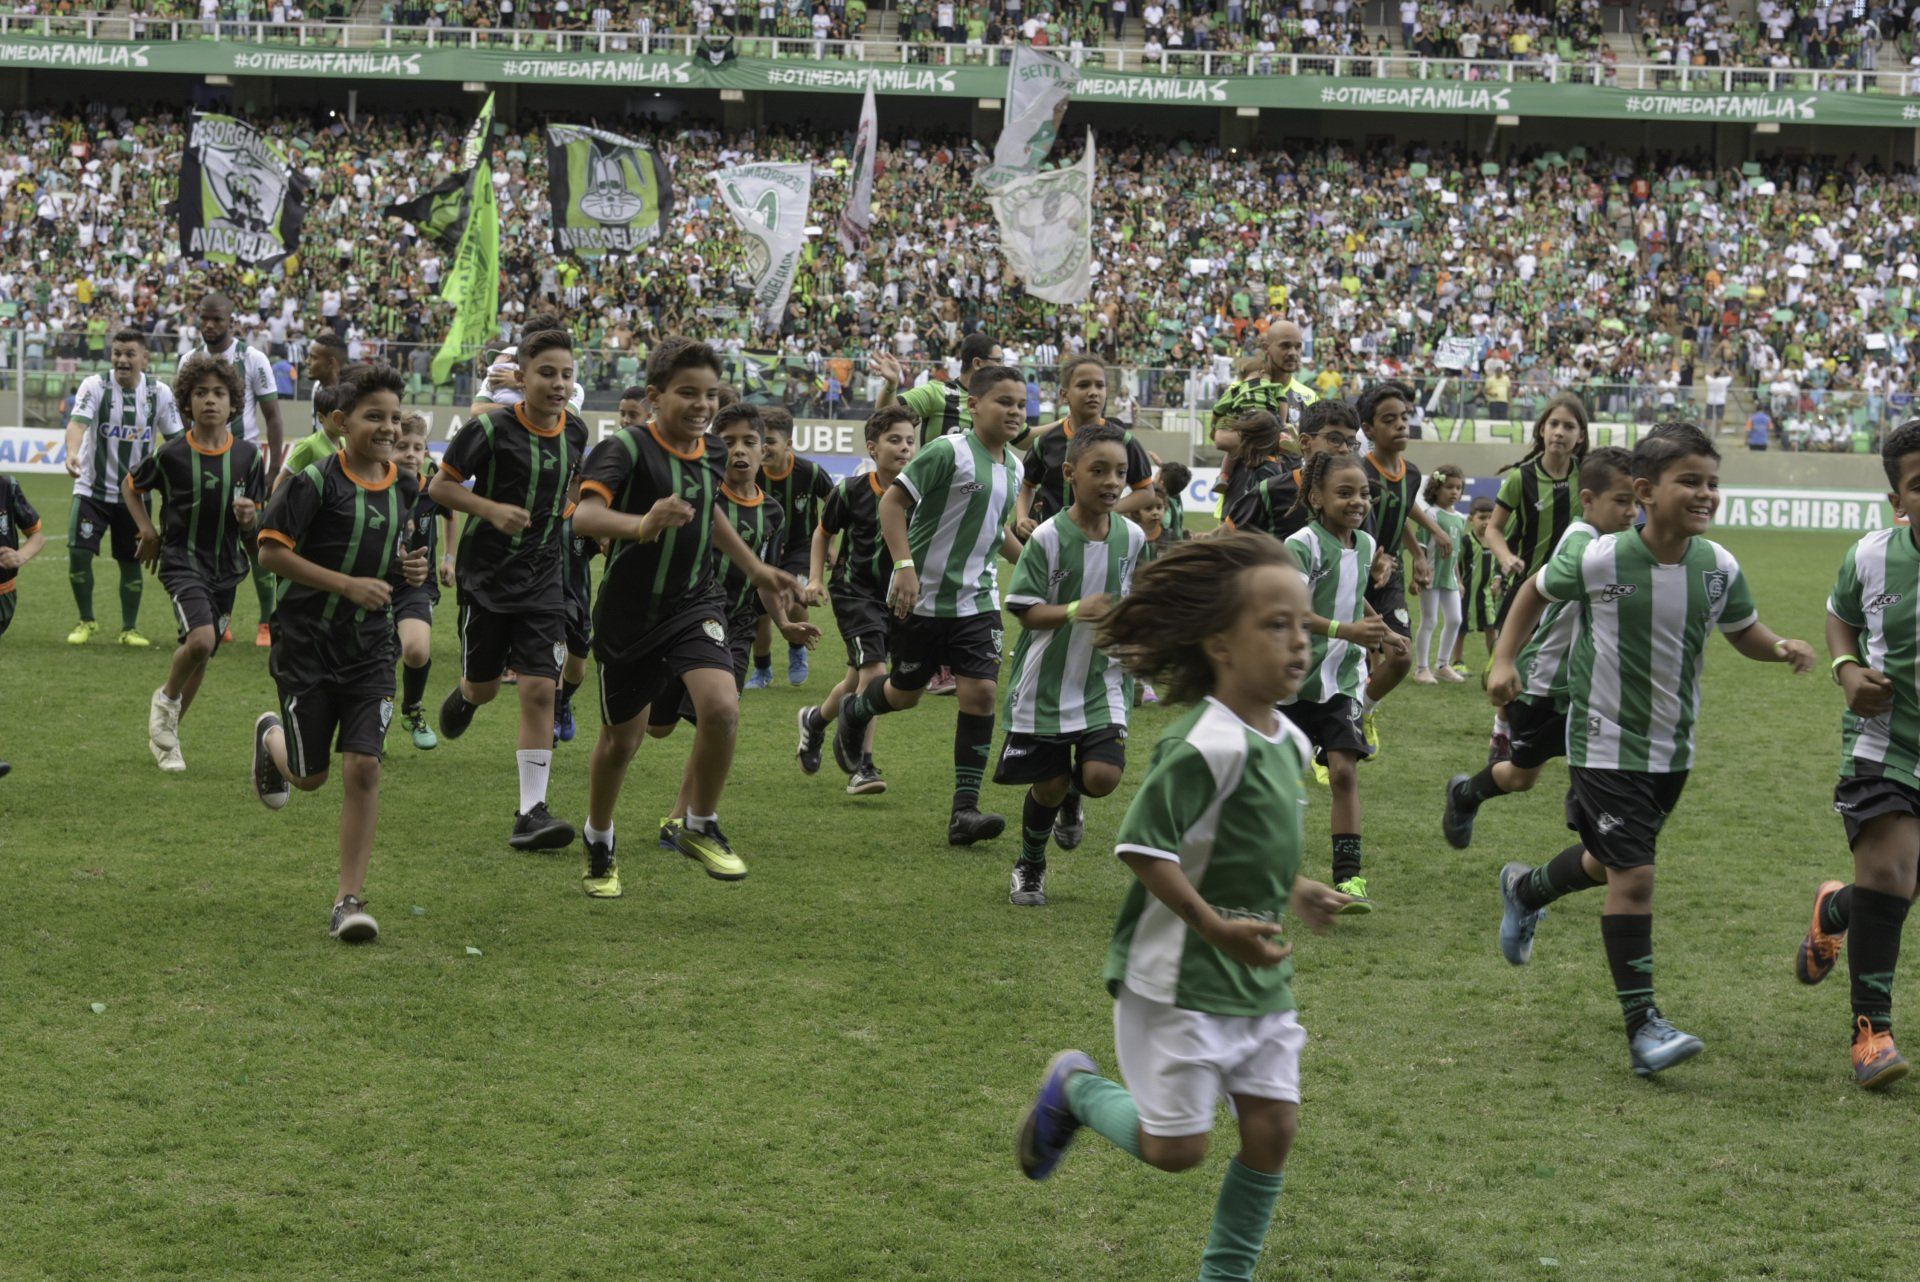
(1049, 1126)
(1659, 1045)
(563, 727)
(797, 666)
(1517, 923)
(760, 679)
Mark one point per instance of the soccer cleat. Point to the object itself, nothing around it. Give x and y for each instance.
(846, 742)
(1876, 1064)
(268, 783)
(163, 721)
(563, 727)
(1147, 696)
(602, 877)
(943, 683)
(1321, 775)
(812, 739)
(970, 825)
(456, 714)
(1425, 677)
(1499, 748)
(5, 770)
(352, 923)
(1029, 889)
(1456, 821)
(1357, 888)
(1049, 1126)
(1658, 1046)
(263, 638)
(423, 736)
(133, 640)
(797, 667)
(760, 679)
(1517, 922)
(539, 829)
(170, 760)
(1070, 823)
(1819, 950)
(1370, 733)
(1461, 670)
(867, 781)
(669, 831)
(711, 851)
(82, 632)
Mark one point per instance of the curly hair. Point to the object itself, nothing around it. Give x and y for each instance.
(195, 370)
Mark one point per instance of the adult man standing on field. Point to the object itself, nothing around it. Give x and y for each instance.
(1276, 383)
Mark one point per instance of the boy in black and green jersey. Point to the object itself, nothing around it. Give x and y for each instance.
(1873, 631)
(522, 461)
(18, 520)
(944, 520)
(655, 492)
(799, 488)
(1043, 486)
(336, 536)
(861, 571)
(1480, 594)
(413, 606)
(209, 482)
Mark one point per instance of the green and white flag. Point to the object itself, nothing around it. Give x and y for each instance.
(1038, 87)
(241, 200)
(610, 195)
(770, 204)
(856, 220)
(1046, 230)
(472, 284)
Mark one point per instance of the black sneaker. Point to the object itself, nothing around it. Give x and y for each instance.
(1456, 824)
(1070, 824)
(846, 741)
(813, 738)
(1029, 885)
(352, 923)
(970, 825)
(5, 770)
(539, 830)
(456, 714)
(268, 783)
(867, 780)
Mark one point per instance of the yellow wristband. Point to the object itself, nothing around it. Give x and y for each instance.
(1333, 628)
(1073, 611)
(1846, 658)
(1780, 649)
(904, 563)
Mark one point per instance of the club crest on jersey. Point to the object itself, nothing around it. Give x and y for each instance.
(376, 519)
(1615, 591)
(1886, 600)
(1716, 584)
(1058, 577)
(559, 655)
(715, 633)
(1606, 823)
(210, 482)
(998, 635)
(86, 529)
(971, 487)
(1593, 725)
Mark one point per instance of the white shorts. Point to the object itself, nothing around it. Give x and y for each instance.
(1179, 1063)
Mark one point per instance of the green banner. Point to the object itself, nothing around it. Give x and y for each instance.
(1280, 93)
(473, 282)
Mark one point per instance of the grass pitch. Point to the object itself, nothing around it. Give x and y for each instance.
(815, 1074)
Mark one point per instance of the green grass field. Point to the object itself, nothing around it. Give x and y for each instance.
(815, 1074)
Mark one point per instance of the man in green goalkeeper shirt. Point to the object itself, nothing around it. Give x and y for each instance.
(1276, 384)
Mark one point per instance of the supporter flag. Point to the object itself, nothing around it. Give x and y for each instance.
(472, 284)
(241, 200)
(856, 220)
(770, 204)
(1046, 229)
(440, 213)
(610, 195)
(1038, 86)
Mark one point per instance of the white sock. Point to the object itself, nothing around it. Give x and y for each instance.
(534, 766)
(171, 700)
(1500, 723)
(1367, 704)
(703, 823)
(594, 834)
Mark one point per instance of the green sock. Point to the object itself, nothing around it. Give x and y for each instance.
(263, 591)
(129, 594)
(1240, 1220)
(80, 576)
(1107, 1108)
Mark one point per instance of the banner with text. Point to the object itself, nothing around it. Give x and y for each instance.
(240, 199)
(610, 195)
(769, 202)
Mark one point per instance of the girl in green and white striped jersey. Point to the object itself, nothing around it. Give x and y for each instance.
(1067, 702)
(1440, 600)
(1648, 599)
(1335, 552)
(1201, 978)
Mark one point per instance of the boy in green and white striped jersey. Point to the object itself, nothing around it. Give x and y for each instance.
(1067, 702)
(1648, 600)
(1538, 716)
(1201, 978)
(1335, 552)
(944, 519)
(1873, 630)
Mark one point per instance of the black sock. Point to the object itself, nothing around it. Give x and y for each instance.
(1346, 856)
(1873, 950)
(858, 709)
(567, 690)
(1480, 788)
(972, 740)
(1629, 941)
(1036, 826)
(129, 595)
(1837, 911)
(413, 685)
(1561, 875)
(763, 662)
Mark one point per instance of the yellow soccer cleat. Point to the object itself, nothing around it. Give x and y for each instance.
(602, 877)
(711, 851)
(133, 640)
(82, 632)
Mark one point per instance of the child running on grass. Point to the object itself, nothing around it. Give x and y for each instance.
(1648, 600)
(799, 488)
(861, 569)
(1043, 487)
(1440, 600)
(1273, 506)
(1872, 633)
(1480, 594)
(1538, 715)
(210, 484)
(336, 538)
(413, 606)
(1067, 702)
(1204, 1003)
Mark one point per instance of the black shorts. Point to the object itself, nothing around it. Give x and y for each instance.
(1619, 813)
(415, 603)
(866, 625)
(1537, 731)
(1034, 758)
(922, 645)
(628, 687)
(579, 625)
(1390, 601)
(91, 521)
(534, 644)
(1332, 726)
(351, 718)
(673, 703)
(198, 604)
(1860, 799)
(7, 603)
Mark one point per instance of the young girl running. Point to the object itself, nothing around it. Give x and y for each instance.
(1043, 487)
(1204, 1000)
(1273, 506)
(1440, 600)
(1334, 551)
(1258, 454)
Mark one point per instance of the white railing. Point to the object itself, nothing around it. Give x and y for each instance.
(1188, 62)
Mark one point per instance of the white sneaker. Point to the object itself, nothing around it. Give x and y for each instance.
(163, 721)
(170, 760)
